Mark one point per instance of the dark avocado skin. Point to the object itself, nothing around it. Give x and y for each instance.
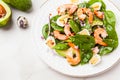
(22, 5)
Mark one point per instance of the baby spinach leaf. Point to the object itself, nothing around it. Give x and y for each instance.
(74, 26)
(111, 42)
(84, 42)
(54, 18)
(45, 31)
(56, 27)
(110, 18)
(109, 22)
(87, 26)
(86, 56)
(105, 50)
(82, 5)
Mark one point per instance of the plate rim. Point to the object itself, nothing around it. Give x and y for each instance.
(88, 75)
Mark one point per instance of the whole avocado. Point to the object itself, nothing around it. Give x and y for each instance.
(22, 5)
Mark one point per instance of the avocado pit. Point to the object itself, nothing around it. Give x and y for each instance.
(5, 14)
(2, 11)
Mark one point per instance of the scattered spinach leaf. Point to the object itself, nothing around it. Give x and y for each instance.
(84, 42)
(105, 50)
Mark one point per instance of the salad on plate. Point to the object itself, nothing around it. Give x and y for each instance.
(81, 33)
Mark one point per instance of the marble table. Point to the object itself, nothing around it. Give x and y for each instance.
(18, 54)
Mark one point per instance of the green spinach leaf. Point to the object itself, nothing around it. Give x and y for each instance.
(105, 50)
(74, 26)
(82, 5)
(84, 42)
(54, 18)
(45, 31)
(109, 22)
(86, 56)
(56, 27)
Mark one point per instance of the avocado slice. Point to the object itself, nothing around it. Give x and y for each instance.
(97, 22)
(4, 14)
(22, 5)
(61, 52)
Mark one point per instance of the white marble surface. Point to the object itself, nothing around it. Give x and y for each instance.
(18, 54)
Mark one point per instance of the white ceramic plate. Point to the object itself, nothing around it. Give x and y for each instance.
(60, 64)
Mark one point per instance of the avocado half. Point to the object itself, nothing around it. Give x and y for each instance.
(4, 19)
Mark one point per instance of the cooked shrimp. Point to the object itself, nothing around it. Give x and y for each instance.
(73, 54)
(67, 30)
(59, 36)
(98, 39)
(90, 18)
(99, 14)
(71, 8)
(81, 12)
(50, 41)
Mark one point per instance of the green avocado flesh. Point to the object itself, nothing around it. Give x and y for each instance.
(61, 52)
(7, 13)
(22, 5)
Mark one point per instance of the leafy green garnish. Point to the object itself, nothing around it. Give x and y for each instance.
(45, 31)
(86, 56)
(109, 22)
(54, 19)
(56, 27)
(105, 50)
(74, 26)
(84, 42)
(82, 5)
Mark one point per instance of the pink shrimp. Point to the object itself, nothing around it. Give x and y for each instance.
(81, 12)
(73, 60)
(71, 8)
(67, 30)
(99, 14)
(59, 36)
(98, 39)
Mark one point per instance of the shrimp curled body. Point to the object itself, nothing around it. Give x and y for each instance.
(67, 30)
(73, 55)
(59, 36)
(70, 8)
(98, 39)
(65, 36)
(99, 14)
(81, 12)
